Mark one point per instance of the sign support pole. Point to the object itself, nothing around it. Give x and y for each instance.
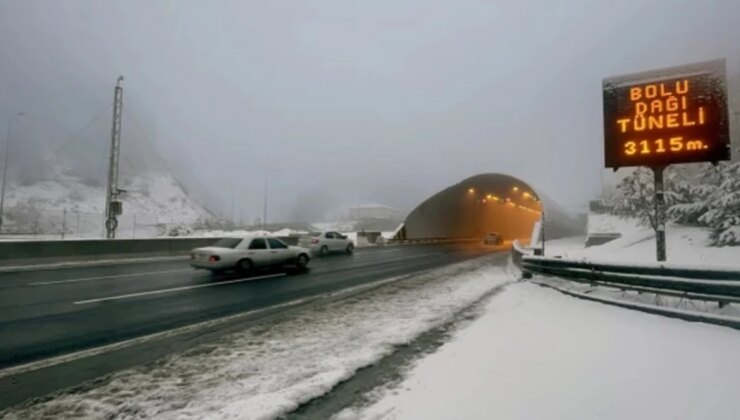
(659, 212)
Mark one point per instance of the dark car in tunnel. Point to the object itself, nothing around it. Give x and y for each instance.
(493, 238)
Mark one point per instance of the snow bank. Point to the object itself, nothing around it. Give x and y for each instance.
(268, 370)
(687, 246)
(537, 354)
(242, 232)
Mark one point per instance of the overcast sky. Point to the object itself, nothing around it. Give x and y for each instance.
(377, 101)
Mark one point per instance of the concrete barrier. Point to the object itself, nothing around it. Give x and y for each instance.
(36, 252)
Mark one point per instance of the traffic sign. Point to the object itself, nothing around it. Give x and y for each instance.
(666, 116)
(111, 224)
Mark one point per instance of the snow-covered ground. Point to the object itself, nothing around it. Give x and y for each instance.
(268, 370)
(685, 245)
(538, 354)
(153, 201)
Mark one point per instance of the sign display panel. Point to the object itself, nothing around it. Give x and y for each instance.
(675, 115)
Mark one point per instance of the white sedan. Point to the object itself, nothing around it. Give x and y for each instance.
(248, 253)
(325, 242)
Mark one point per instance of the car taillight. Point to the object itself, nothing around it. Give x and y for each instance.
(314, 241)
(214, 258)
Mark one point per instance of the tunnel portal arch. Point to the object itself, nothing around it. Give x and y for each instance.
(490, 202)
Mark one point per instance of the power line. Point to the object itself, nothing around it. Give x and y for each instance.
(76, 135)
(158, 155)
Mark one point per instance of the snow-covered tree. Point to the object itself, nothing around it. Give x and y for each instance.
(690, 200)
(723, 205)
(710, 198)
(635, 196)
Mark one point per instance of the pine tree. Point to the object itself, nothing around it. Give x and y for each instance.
(723, 205)
(691, 199)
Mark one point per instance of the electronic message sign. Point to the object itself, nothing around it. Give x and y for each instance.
(675, 115)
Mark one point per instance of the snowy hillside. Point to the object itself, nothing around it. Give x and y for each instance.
(153, 202)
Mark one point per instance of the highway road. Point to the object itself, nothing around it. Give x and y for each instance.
(47, 313)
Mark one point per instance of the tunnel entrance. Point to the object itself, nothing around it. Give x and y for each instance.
(486, 203)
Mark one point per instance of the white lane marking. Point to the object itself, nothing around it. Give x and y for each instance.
(175, 289)
(207, 325)
(114, 276)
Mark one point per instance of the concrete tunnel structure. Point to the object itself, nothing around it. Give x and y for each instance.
(487, 203)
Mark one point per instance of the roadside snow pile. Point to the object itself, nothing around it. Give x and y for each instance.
(269, 370)
(537, 354)
(340, 226)
(728, 311)
(685, 245)
(607, 223)
(242, 232)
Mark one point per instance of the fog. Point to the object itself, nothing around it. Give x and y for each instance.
(337, 102)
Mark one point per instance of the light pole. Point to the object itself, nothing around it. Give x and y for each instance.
(5, 167)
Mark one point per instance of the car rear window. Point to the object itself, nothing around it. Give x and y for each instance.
(227, 243)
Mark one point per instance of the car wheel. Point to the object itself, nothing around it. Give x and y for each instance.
(302, 261)
(245, 266)
(324, 251)
(350, 248)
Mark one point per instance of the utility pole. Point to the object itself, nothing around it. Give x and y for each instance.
(5, 168)
(231, 215)
(113, 207)
(264, 208)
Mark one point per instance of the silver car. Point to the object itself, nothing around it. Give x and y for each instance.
(323, 243)
(248, 253)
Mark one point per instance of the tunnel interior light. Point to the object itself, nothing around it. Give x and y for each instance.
(515, 189)
(484, 201)
(526, 195)
(471, 190)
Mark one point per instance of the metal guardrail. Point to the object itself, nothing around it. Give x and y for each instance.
(696, 283)
(704, 284)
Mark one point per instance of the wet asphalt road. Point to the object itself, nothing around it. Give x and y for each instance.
(47, 313)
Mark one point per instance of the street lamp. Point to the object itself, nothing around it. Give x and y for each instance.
(5, 168)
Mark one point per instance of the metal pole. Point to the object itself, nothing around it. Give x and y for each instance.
(5, 168)
(64, 223)
(110, 218)
(543, 230)
(659, 213)
(231, 216)
(264, 209)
